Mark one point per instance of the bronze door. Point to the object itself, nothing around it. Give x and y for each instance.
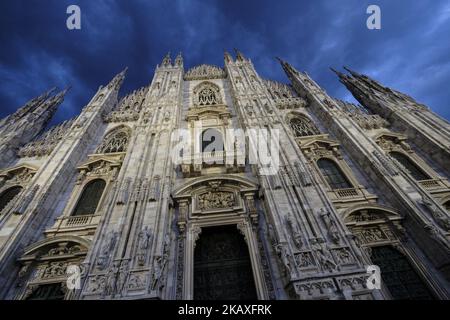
(222, 266)
(398, 275)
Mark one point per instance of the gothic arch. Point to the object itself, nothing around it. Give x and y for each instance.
(302, 125)
(333, 174)
(207, 94)
(115, 140)
(90, 198)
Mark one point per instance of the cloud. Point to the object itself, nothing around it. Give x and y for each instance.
(410, 53)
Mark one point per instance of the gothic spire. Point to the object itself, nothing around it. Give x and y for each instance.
(117, 81)
(167, 61)
(227, 57)
(239, 55)
(179, 60)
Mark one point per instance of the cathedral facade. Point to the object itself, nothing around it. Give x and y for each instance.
(97, 208)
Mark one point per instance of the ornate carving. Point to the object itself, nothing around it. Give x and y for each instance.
(305, 259)
(115, 141)
(303, 126)
(343, 256)
(206, 94)
(216, 200)
(285, 256)
(295, 232)
(385, 165)
(330, 225)
(55, 269)
(47, 142)
(143, 243)
(324, 258)
(159, 264)
(438, 214)
(129, 107)
(204, 72)
(108, 246)
(124, 191)
(137, 281)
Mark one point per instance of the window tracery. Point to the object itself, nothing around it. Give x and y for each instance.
(303, 126)
(207, 94)
(115, 141)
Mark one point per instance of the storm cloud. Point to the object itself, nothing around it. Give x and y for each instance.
(411, 52)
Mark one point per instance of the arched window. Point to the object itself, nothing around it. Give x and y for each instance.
(333, 174)
(303, 126)
(207, 97)
(90, 197)
(398, 275)
(8, 195)
(212, 140)
(410, 166)
(207, 94)
(115, 141)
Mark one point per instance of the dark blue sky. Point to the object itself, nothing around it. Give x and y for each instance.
(410, 53)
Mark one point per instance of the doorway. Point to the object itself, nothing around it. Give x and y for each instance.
(222, 266)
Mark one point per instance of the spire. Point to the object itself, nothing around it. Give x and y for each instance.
(353, 73)
(167, 61)
(290, 70)
(227, 57)
(338, 73)
(179, 60)
(239, 55)
(117, 81)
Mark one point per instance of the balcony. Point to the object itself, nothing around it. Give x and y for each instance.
(434, 184)
(342, 196)
(74, 223)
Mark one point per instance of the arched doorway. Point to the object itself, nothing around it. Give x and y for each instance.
(398, 275)
(222, 266)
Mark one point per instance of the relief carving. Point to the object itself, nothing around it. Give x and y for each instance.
(216, 200)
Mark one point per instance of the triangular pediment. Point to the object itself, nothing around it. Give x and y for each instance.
(99, 160)
(318, 140)
(22, 173)
(388, 135)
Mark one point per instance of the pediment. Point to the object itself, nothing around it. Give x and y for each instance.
(370, 214)
(388, 135)
(317, 140)
(22, 173)
(217, 182)
(96, 160)
(56, 247)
